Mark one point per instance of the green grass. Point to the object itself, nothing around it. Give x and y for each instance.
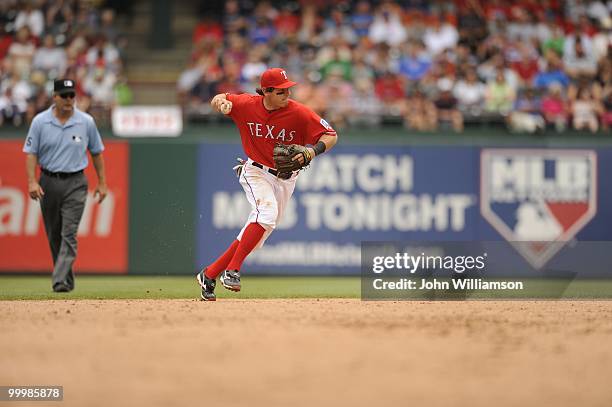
(166, 287)
(162, 287)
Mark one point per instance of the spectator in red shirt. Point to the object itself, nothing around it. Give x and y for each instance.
(496, 10)
(526, 68)
(530, 7)
(208, 28)
(287, 23)
(5, 42)
(390, 90)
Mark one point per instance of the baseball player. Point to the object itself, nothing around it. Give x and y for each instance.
(275, 132)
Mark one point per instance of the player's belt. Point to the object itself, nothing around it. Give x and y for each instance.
(281, 175)
(60, 174)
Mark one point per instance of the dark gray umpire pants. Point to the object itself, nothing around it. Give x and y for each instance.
(62, 207)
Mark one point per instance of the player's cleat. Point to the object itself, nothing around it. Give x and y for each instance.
(231, 280)
(208, 286)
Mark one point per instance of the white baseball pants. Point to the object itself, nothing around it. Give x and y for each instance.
(268, 196)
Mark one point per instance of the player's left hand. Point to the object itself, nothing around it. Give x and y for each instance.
(292, 157)
(300, 158)
(101, 192)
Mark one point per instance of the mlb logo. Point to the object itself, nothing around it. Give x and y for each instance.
(538, 199)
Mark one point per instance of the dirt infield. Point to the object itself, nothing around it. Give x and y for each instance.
(309, 352)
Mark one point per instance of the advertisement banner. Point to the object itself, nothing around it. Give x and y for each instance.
(103, 231)
(352, 194)
(147, 121)
(538, 197)
(401, 193)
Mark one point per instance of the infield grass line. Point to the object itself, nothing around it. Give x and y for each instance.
(166, 287)
(258, 287)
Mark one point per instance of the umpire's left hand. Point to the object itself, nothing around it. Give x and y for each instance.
(101, 192)
(35, 191)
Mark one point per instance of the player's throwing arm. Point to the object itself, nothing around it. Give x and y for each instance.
(221, 104)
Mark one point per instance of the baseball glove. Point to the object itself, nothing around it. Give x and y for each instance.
(283, 157)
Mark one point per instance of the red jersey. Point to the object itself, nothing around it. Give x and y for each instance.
(260, 129)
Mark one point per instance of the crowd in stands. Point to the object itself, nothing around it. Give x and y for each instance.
(427, 64)
(42, 40)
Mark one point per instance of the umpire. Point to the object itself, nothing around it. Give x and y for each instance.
(58, 140)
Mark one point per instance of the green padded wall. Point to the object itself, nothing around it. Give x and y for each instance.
(162, 205)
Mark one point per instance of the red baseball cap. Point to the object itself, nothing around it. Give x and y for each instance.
(276, 78)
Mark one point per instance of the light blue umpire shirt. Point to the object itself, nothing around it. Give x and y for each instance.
(63, 148)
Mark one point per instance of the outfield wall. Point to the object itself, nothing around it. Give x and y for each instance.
(103, 232)
(176, 204)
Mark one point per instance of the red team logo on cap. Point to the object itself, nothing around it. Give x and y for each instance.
(276, 78)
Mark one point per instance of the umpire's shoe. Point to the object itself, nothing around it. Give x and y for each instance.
(62, 288)
(231, 280)
(208, 286)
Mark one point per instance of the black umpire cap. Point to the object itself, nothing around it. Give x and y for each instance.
(62, 86)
